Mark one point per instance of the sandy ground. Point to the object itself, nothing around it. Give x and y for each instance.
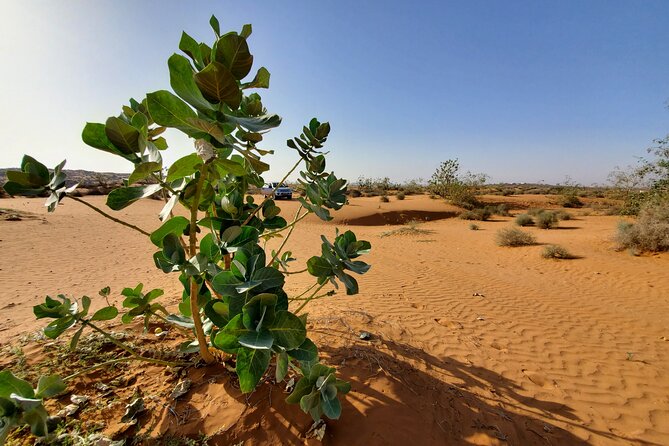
(472, 343)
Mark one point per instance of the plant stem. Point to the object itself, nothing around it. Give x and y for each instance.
(269, 197)
(97, 366)
(292, 227)
(194, 308)
(121, 345)
(288, 226)
(297, 272)
(304, 292)
(309, 299)
(114, 219)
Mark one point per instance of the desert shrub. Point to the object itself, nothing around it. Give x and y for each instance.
(535, 211)
(473, 226)
(384, 199)
(570, 201)
(355, 193)
(546, 220)
(514, 237)
(556, 252)
(524, 220)
(460, 189)
(233, 298)
(563, 215)
(400, 195)
(413, 187)
(649, 233)
(502, 210)
(481, 214)
(507, 192)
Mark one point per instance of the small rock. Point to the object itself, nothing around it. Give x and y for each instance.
(181, 389)
(365, 335)
(68, 411)
(317, 430)
(480, 318)
(478, 295)
(290, 385)
(79, 400)
(132, 410)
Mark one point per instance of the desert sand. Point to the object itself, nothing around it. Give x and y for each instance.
(471, 343)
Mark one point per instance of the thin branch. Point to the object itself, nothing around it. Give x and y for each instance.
(114, 219)
(292, 227)
(309, 299)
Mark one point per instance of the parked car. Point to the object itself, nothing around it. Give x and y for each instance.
(277, 190)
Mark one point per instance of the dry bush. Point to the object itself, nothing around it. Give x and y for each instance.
(546, 220)
(535, 211)
(556, 252)
(649, 233)
(570, 201)
(563, 215)
(400, 195)
(524, 220)
(354, 193)
(473, 226)
(384, 199)
(514, 237)
(481, 214)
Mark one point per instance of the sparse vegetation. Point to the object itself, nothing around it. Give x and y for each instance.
(524, 220)
(473, 227)
(384, 199)
(556, 252)
(514, 237)
(546, 220)
(563, 215)
(650, 233)
(411, 228)
(481, 214)
(400, 196)
(447, 182)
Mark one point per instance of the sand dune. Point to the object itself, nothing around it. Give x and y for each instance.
(472, 343)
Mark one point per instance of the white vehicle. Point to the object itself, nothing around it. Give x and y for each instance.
(277, 190)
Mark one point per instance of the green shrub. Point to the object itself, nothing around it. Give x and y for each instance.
(384, 199)
(546, 220)
(514, 237)
(524, 220)
(355, 193)
(502, 210)
(473, 226)
(556, 252)
(400, 195)
(535, 211)
(649, 233)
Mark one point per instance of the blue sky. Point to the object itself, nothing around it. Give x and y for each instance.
(524, 91)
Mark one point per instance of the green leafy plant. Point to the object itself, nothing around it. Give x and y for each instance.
(21, 404)
(546, 220)
(233, 295)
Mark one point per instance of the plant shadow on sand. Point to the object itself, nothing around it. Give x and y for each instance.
(400, 395)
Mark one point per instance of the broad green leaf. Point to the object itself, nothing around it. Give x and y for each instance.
(173, 250)
(227, 339)
(75, 339)
(57, 327)
(342, 386)
(105, 314)
(125, 196)
(122, 135)
(11, 384)
(281, 365)
(94, 135)
(256, 340)
(181, 321)
(218, 312)
(183, 83)
(169, 110)
(209, 248)
(306, 352)
(261, 80)
(143, 171)
(213, 21)
(189, 46)
(269, 278)
(287, 330)
(184, 167)
(35, 169)
(210, 127)
(303, 387)
(257, 123)
(49, 386)
(310, 401)
(22, 178)
(218, 84)
(251, 366)
(331, 408)
(259, 309)
(233, 52)
(246, 31)
(319, 267)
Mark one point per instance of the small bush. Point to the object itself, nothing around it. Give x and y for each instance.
(563, 215)
(514, 237)
(546, 220)
(570, 201)
(524, 220)
(649, 233)
(355, 193)
(384, 199)
(535, 211)
(481, 214)
(473, 226)
(400, 195)
(556, 252)
(502, 210)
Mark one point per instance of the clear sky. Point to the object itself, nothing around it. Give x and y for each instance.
(521, 90)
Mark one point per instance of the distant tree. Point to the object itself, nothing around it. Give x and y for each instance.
(460, 189)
